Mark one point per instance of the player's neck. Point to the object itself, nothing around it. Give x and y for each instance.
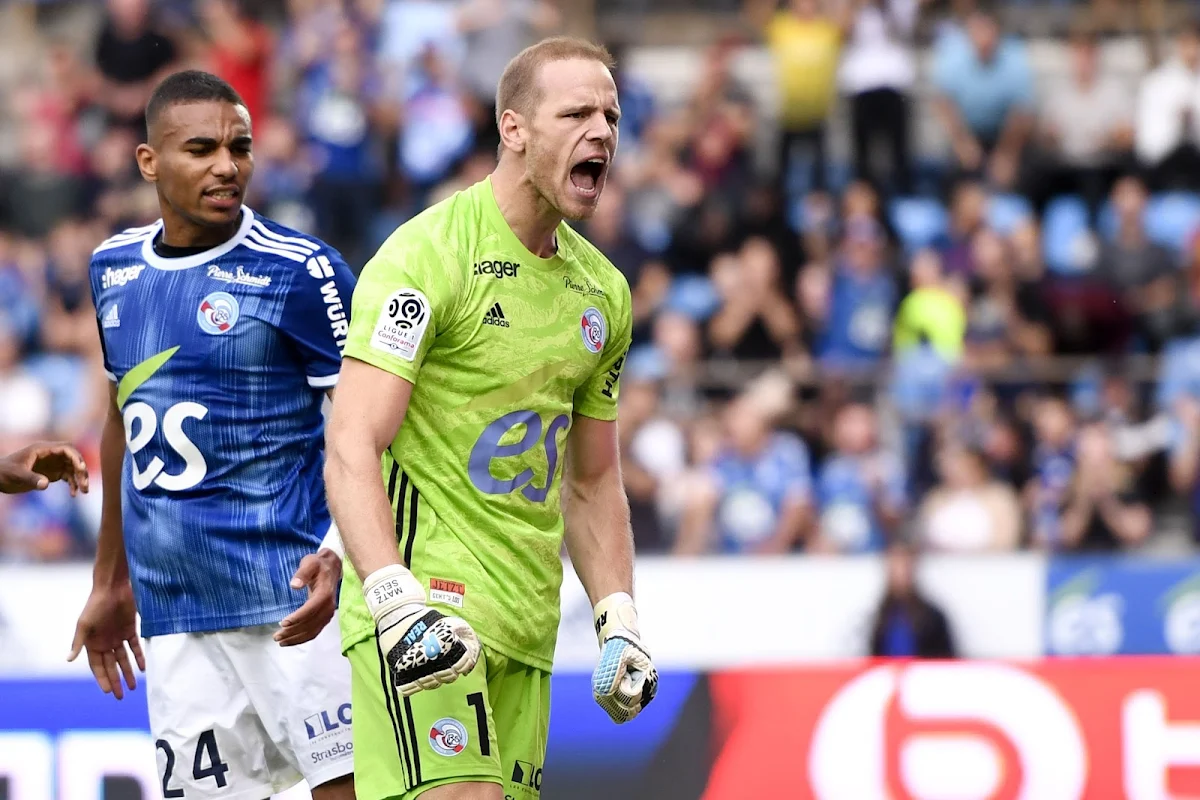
(532, 220)
(180, 232)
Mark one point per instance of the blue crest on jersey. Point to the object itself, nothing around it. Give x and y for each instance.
(217, 313)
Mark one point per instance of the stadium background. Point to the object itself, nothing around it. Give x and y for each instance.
(987, 351)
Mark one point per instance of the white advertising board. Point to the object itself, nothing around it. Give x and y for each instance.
(699, 613)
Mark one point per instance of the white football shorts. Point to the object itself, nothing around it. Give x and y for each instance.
(235, 716)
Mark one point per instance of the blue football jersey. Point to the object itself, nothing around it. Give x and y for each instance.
(221, 361)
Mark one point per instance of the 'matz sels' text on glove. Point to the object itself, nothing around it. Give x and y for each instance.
(424, 648)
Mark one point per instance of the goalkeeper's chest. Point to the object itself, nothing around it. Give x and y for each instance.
(518, 326)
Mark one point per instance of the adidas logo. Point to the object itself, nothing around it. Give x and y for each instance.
(495, 316)
(111, 320)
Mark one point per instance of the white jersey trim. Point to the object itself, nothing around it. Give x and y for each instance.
(120, 240)
(187, 262)
(303, 245)
(322, 382)
(275, 251)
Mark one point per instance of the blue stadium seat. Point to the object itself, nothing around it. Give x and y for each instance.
(1065, 235)
(1173, 218)
(1006, 211)
(919, 221)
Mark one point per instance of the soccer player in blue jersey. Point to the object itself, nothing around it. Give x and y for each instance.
(222, 334)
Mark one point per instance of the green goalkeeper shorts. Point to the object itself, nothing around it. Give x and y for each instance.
(489, 725)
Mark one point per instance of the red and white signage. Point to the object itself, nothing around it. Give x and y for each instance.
(1058, 730)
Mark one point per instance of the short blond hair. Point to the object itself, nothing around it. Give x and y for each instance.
(519, 87)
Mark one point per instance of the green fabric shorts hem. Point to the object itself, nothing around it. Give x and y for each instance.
(490, 725)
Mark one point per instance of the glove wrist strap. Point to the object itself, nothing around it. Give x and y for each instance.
(390, 588)
(615, 615)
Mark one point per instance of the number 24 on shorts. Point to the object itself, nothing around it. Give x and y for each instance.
(206, 747)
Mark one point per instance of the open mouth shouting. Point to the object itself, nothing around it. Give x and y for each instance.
(587, 177)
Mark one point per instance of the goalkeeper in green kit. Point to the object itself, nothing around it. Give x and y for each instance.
(481, 373)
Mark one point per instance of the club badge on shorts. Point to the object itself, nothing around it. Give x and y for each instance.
(217, 313)
(594, 329)
(448, 736)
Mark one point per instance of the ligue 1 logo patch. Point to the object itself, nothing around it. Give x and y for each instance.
(218, 312)
(593, 329)
(448, 736)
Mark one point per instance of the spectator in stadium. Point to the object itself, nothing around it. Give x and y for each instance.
(908, 624)
(804, 40)
(57, 97)
(1086, 129)
(339, 101)
(283, 175)
(968, 216)
(648, 278)
(717, 129)
(674, 356)
(435, 128)
(1103, 509)
(34, 467)
(756, 321)
(1167, 135)
(757, 495)
(969, 510)
(20, 291)
(859, 488)
(934, 312)
(857, 322)
(25, 403)
(653, 457)
(131, 56)
(116, 190)
(1054, 462)
(43, 187)
(1143, 274)
(69, 322)
(1184, 454)
(985, 100)
(410, 27)
(877, 73)
(240, 49)
(1008, 319)
(495, 31)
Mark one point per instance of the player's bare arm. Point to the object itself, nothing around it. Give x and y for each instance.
(35, 467)
(423, 647)
(596, 510)
(600, 543)
(320, 572)
(108, 623)
(366, 416)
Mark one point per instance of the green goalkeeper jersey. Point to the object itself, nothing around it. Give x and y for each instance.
(502, 348)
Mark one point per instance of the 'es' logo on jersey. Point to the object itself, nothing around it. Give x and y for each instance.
(593, 329)
(217, 313)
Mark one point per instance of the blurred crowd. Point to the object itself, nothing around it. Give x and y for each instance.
(991, 350)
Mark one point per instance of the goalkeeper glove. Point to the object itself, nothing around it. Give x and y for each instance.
(424, 648)
(625, 680)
